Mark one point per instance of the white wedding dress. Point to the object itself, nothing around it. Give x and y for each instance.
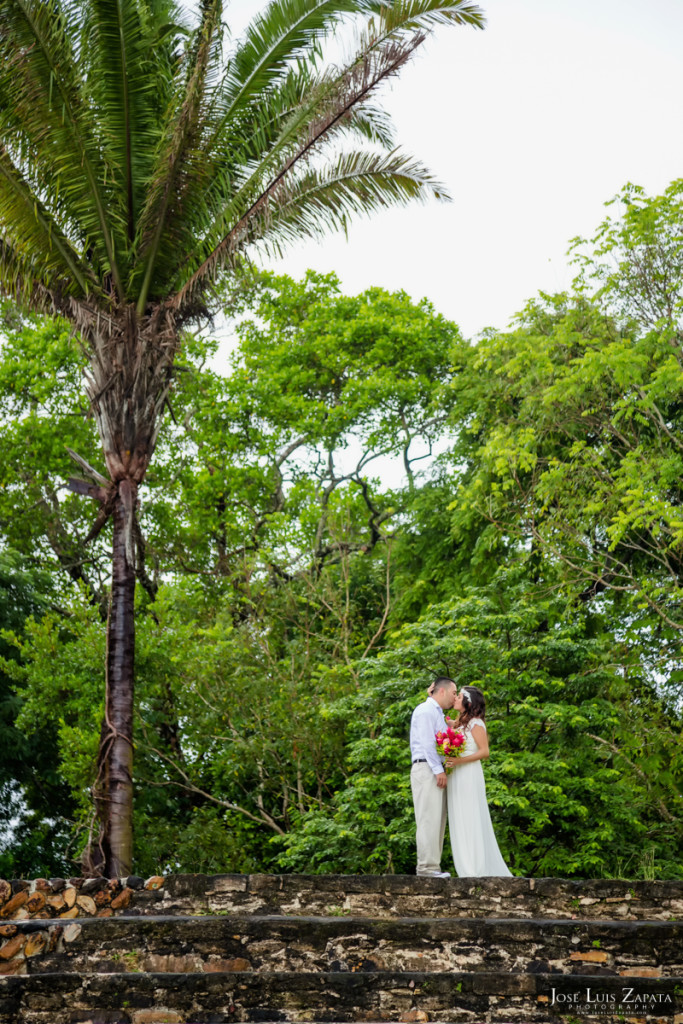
(475, 849)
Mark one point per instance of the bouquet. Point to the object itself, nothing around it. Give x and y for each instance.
(449, 744)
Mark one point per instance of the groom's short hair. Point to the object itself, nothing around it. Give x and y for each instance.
(441, 682)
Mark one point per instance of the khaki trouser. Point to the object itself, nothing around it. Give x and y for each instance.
(430, 817)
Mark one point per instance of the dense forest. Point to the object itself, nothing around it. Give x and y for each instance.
(348, 497)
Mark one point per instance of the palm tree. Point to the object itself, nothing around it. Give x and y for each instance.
(140, 156)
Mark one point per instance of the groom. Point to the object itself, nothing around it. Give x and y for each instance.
(428, 778)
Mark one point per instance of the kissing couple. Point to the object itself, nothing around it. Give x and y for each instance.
(460, 797)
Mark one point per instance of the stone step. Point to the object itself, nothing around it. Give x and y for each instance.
(409, 896)
(333, 996)
(357, 895)
(274, 943)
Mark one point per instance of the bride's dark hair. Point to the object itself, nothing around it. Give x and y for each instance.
(475, 707)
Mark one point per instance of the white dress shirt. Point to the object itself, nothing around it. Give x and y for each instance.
(428, 719)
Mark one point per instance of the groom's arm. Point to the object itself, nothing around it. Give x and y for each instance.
(426, 731)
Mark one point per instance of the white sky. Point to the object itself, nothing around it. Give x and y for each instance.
(532, 124)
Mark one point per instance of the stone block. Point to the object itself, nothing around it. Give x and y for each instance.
(122, 901)
(42, 885)
(13, 904)
(155, 882)
(237, 963)
(72, 931)
(10, 967)
(56, 902)
(7, 930)
(87, 904)
(35, 943)
(641, 972)
(157, 1017)
(12, 946)
(595, 956)
(67, 914)
(5, 890)
(35, 902)
(70, 894)
(414, 1015)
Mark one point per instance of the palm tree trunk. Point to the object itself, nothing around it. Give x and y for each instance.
(118, 825)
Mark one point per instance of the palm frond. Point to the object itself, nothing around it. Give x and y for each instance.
(123, 58)
(24, 219)
(306, 129)
(358, 183)
(172, 182)
(46, 124)
(285, 31)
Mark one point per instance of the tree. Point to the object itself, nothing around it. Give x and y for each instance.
(137, 163)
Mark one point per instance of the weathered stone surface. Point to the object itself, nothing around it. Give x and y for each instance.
(122, 900)
(57, 884)
(238, 963)
(5, 890)
(73, 912)
(7, 930)
(156, 1017)
(42, 885)
(155, 882)
(56, 902)
(135, 882)
(87, 904)
(13, 904)
(102, 898)
(70, 894)
(593, 955)
(10, 948)
(35, 943)
(8, 967)
(35, 902)
(72, 931)
(20, 885)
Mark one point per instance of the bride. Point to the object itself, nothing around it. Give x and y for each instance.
(475, 850)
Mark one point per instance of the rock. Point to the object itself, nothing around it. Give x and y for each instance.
(53, 937)
(12, 946)
(107, 912)
(102, 898)
(414, 1015)
(92, 885)
(70, 895)
(12, 967)
(72, 931)
(20, 885)
(57, 902)
(155, 882)
(87, 904)
(35, 902)
(596, 956)
(22, 914)
(18, 900)
(121, 901)
(74, 912)
(113, 885)
(35, 943)
(156, 1017)
(641, 972)
(57, 884)
(76, 883)
(42, 915)
(158, 963)
(238, 963)
(5, 890)
(42, 885)
(135, 882)
(7, 930)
